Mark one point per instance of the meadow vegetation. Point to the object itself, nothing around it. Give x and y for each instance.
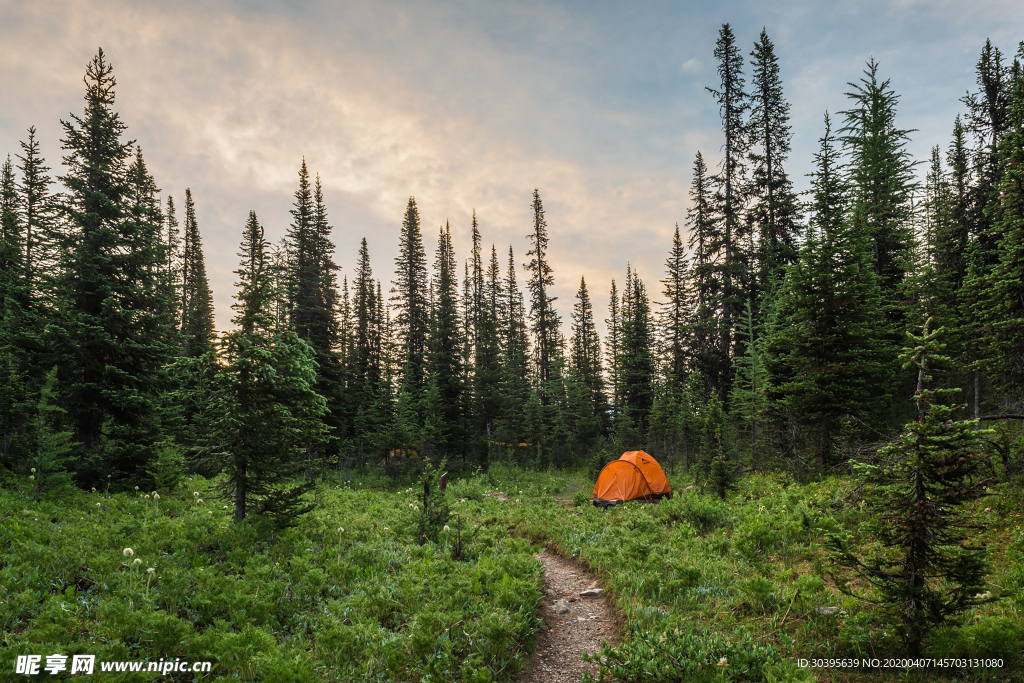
(354, 592)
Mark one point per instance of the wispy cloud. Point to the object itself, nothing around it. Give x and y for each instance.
(461, 104)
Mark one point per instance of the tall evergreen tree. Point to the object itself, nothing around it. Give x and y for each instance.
(709, 359)
(585, 351)
(515, 359)
(988, 111)
(832, 358)
(636, 360)
(677, 314)
(264, 413)
(197, 299)
(174, 261)
(924, 565)
(36, 207)
(733, 104)
(1005, 306)
(445, 359)
(882, 179)
(108, 339)
(410, 299)
(775, 210)
(544, 318)
(612, 349)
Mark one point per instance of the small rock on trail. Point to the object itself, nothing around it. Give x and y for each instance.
(571, 626)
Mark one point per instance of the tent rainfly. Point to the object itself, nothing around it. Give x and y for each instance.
(636, 475)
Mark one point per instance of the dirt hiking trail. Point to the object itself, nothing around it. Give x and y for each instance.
(573, 623)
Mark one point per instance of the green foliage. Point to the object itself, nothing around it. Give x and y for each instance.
(434, 511)
(168, 467)
(350, 577)
(924, 562)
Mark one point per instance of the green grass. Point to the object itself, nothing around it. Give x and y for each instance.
(696, 579)
(699, 579)
(309, 603)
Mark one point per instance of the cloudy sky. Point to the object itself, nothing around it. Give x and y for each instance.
(467, 104)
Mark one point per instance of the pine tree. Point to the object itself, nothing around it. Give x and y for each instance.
(677, 314)
(882, 179)
(174, 264)
(831, 358)
(366, 358)
(445, 359)
(775, 211)
(988, 111)
(13, 301)
(410, 299)
(709, 359)
(922, 565)
(636, 356)
(515, 359)
(733, 103)
(585, 352)
(612, 349)
(544, 318)
(264, 413)
(109, 345)
(197, 299)
(716, 464)
(38, 226)
(1005, 306)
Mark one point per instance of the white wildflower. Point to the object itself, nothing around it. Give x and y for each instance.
(150, 570)
(32, 476)
(447, 528)
(33, 470)
(156, 496)
(341, 529)
(128, 552)
(137, 562)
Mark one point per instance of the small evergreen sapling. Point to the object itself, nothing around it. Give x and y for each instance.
(923, 565)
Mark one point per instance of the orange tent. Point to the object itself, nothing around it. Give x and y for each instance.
(635, 475)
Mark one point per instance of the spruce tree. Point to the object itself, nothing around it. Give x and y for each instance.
(677, 314)
(109, 346)
(881, 177)
(445, 360)
(263, 414)
(515, 359)
(585, 352)
(733, 104)
(988, 111)
(197, 299)
(410, 300)
(614, 325)
(832, 359)
(13, 301)
(174, 264)
(924, 566)
(636, 362)
(775, 210)
(709, 359)
(365, 363)
(38, 222)
(544, 318)
(1005, 305)
(716, 464)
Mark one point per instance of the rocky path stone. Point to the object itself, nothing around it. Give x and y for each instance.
(573, 624)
